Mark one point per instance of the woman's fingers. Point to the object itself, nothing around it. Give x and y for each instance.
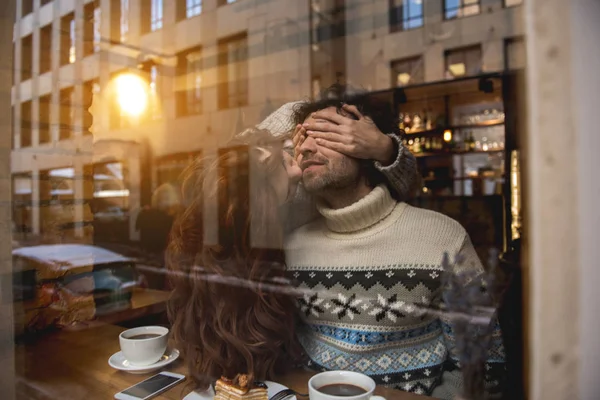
(297, 135)
(330, 115)
(330, 136)
(352, 110)
(322, 127)
(336, 146)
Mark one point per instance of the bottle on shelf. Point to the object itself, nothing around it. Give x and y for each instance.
(429, 124)
(472, 143)
(466, 146)
(425, 120)
(417, 122)
(427, 144)
(417, 146)
(407, 122)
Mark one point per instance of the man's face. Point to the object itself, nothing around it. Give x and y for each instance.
(325, 169)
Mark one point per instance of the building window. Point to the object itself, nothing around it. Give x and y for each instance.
(405, 14)
(188, 9)
(12, 127)
(189, 82)
(97, 34)
(408, 71)
(91, 94)
(44, 122)
(233, 72)
(26, 57)
(44, 2)
(193, 8)
(26, 137)
(22, 202)
(510, 3)
(463, 62)
(514, 53)
(152, 15)
(327, 24)
(124, 19)
(156, 19)
(45, 49)
(225, 2)
(67, 42)
(27, 7)
(169, 168)
(154, 103)
(461, 8)
(91, 35)
(14, 63)
(316, 87)
(67, 110)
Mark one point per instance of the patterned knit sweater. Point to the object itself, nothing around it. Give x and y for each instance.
(365, 268)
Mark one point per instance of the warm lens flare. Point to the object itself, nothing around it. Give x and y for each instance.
(132, 94)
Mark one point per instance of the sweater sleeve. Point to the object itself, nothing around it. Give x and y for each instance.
(402, 173)
(452, 379)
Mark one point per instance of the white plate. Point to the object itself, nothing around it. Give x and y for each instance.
(272, 389)
(118, 361)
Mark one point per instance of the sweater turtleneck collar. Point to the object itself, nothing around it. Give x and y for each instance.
(363, 214)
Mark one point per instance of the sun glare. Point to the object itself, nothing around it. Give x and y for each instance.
(132, 94)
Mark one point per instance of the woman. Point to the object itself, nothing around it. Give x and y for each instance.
(227, 312)
(232, 310)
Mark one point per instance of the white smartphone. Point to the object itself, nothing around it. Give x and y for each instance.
(150, 387)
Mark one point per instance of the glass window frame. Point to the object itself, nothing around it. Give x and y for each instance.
(460, 8)
(410, 62)
(400, 15)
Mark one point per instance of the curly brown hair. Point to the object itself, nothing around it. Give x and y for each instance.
(231, 309)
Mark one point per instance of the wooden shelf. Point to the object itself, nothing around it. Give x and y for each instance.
(441, 129)
(465, 178)
(484, 124)
(456, 153)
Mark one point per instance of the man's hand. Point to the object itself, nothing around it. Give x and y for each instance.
(358, 138)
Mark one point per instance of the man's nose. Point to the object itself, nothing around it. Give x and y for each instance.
(308, 146)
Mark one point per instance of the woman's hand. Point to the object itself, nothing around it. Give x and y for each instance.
(298, 139)
(358, 138)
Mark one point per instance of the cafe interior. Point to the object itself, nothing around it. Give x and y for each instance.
(91, 322)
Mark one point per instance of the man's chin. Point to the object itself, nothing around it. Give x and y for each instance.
(311, 183)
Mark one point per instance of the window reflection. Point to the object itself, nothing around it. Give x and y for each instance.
(110, 205)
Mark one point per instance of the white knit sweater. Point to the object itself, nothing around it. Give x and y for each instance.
(370, 264)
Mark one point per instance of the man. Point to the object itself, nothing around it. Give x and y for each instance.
(370, 261)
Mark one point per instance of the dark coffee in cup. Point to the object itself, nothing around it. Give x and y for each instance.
(341, 389)
(144, 336)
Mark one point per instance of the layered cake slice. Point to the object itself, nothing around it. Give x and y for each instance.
(242, 387)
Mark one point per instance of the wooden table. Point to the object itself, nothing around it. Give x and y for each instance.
(74, 365)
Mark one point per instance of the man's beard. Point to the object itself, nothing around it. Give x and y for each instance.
(331, 179)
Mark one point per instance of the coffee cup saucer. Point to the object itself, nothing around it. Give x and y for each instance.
(118, 361)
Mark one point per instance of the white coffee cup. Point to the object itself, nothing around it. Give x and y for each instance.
(144, 351)
(343, 377)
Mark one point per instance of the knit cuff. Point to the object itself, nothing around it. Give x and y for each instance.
(402, 173)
